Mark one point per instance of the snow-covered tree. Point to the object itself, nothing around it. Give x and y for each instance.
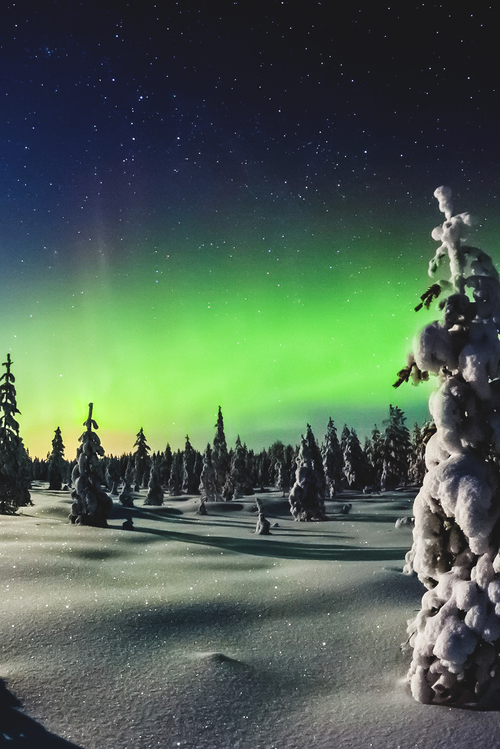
(276, 454)
(15, 469)
(374, 451)
(190, 481)
(220, 456)
(175, 480)
(239, 483)
(155, 489)
(416, 466)
(332, 461)
(307, 495)
(344, 437)
(354, 461)
(91, 505)
(207, 486)
(112, 474)
(57, 464)
(251, 468)
(142, 461)
(396, 450)
(263, 465)
(456, 540)
(166, 465)
(126, 496)
(282, 477)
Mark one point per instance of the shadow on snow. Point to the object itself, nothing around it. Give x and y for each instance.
(18, 731)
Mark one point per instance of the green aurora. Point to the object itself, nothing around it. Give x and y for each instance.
(279, 333)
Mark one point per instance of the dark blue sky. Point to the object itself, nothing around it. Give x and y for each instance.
(168, 142)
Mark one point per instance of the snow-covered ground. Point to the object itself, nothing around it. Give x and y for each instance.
(194, 632)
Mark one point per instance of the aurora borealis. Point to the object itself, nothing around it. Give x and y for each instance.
(210, 204)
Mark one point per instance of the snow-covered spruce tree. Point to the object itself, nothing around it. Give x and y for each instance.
(332, 461)
(175, 480)
(15, 468)
(198, 465)
(456, 635)
(190, 481)
(126, 496)
(141, 460)
(307, 495)
(239, 483)
(282, 477)
(166, 465)
(344, 436)
(91, 505)
(396, 450)
(251, 468)
(263, 465)
(220, 456)
(276, 453)
(374, 450)
(155, 489)
(57, 464)
(112, 475)
(416, 465)
(207, 486)
(355, 472)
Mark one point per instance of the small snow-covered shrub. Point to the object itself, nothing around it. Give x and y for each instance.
(405, 522)
(456, 539)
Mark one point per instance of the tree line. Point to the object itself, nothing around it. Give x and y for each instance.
(308, 473)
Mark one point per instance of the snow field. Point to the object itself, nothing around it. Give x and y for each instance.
(193, 632)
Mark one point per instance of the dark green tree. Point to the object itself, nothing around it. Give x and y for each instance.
(91, 505)
(57, 464)
(15, 467)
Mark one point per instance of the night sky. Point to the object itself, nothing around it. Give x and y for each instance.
(213, 203)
